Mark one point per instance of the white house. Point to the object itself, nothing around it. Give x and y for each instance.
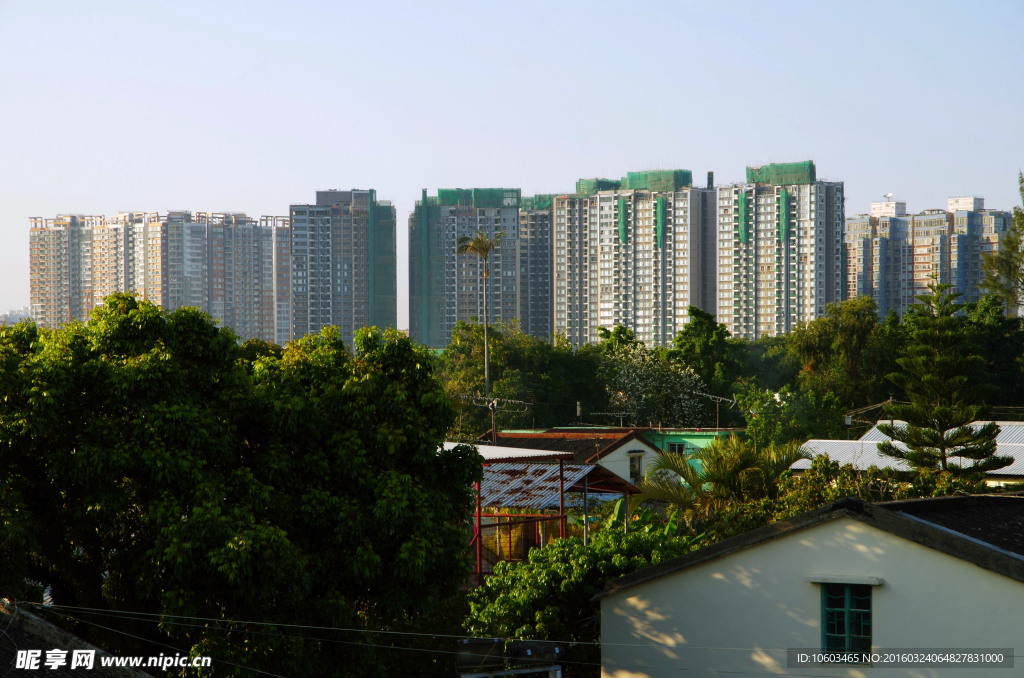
(935, 580)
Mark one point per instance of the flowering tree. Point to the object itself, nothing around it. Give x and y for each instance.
(651, 388)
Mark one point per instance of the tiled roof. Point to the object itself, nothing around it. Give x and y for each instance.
(994, 519)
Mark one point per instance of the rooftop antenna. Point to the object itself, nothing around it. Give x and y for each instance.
(888, 197)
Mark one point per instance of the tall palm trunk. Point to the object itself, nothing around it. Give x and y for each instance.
(487, 355)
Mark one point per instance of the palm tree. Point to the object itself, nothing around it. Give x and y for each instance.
(729, 471)
(481, 246)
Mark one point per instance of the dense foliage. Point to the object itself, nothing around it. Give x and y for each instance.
(729, 472)
(551, 596)
(648, 388)
(147, 466)
(549, 377)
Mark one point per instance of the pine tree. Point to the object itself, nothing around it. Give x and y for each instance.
(936, 377)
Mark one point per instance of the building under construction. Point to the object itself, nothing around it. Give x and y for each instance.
(635, 252)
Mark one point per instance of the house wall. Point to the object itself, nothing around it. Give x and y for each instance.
(738, 614)
(617, 461)
(662, 439)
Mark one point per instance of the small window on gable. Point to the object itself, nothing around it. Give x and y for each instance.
(636, 467)
(846, 617)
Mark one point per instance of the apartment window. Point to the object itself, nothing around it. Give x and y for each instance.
(846, 617)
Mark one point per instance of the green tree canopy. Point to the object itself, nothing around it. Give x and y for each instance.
(943, 401)
(1004, 268)
(709, 350)
(550, 597)
(552, 377)
(147, 468)
(845, 352)
(788, 415)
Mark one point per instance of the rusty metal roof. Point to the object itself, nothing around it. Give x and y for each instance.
(521, 485)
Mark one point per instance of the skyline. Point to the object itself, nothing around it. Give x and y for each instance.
(226, 107)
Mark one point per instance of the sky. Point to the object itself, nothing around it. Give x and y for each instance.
(119, 105)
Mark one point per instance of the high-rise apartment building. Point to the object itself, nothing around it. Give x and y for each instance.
(780, 237)
(280, 229)
(633, 252)
(893, 256)
(446, 287)
(535, 232)
(220, 263)
(342, 264)
(332, 263)
(60, 266)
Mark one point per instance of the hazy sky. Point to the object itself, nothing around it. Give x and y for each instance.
(109, 106)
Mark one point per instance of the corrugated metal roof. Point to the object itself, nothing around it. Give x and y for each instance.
(1011, 432)
(859, 453)
(525, 485)
(863, 453)
(517, 485)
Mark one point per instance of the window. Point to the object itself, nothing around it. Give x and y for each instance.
(846, 617)
(636, 467)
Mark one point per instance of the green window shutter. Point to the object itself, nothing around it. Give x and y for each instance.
(742, 212)
(784, 223)
(623, 221)
(659, 215)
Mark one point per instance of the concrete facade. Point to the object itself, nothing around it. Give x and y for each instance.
(342, 264)
(779, 251)
(632, 256)
(893, 256)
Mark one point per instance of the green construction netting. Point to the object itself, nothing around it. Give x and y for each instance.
(479, 197)
(542, 201)
(782, 173)
(742, 216)
(623, 221)
(585, 187)
(658, 180)
(784, 221)
(659, 220)
(455, 197)
(497, 197)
